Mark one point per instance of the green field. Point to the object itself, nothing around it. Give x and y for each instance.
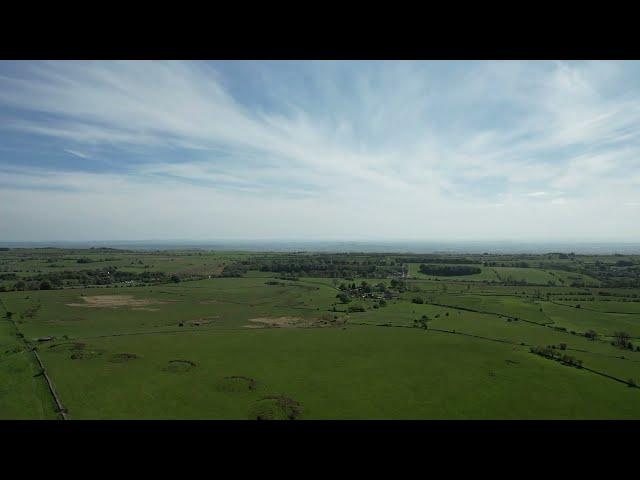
(246, 336)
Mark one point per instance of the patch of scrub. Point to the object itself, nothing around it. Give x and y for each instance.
(275, 407)
(123, 357)
(86, 354)
(237, 384)
(114, 301)
(202, 321)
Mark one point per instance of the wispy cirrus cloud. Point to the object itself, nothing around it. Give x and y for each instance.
(382, 149)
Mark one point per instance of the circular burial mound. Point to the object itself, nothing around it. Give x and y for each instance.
(236, 383)
(275, 407)
(79, 350)
(68, 347)
(180, 366)
(85, 355)
(123, 357)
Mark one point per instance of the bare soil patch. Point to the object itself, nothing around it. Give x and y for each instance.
(276, 322)
(288, 322)
(115, 301)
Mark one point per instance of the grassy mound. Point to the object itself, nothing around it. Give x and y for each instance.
(237, 384)
(275, 407)
(123, 357)
(180, 366)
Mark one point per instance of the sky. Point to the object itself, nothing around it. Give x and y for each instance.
(347, 150)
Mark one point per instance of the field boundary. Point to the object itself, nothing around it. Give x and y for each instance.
(509, 342)
(52, 390)
(61, 409)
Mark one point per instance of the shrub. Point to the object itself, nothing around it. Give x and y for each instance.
(591, 334)
(343, 297)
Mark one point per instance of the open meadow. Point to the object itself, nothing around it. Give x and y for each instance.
(118, 334)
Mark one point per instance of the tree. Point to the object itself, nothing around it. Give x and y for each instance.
(45, 285)
(343, 297)
(422, 323)
(20, 285)
(175, 278)
(621, 338)
(591, 334)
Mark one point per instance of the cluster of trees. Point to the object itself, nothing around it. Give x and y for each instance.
(343, 297)
(348, 290)
(622, 274)
(422, 322)
(362, 288)
(331, 266)
(93, 260)
(623, 340)
(103, 276)
(449, 270)
(551, 352)
(440, 260)
(519, 264)
(236, 269)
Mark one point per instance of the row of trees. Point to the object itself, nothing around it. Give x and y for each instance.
(103, 276)
(551, 352)
(330, 266)
(449, 270)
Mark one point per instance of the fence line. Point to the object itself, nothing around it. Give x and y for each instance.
(61, 409)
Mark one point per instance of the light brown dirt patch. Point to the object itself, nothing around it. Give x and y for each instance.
(114, 301)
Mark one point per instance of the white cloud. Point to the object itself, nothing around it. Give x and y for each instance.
(77, 153)
(389, 150)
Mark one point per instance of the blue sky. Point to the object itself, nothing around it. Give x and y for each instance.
(320, 150)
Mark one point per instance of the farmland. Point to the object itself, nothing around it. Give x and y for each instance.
(195, 334)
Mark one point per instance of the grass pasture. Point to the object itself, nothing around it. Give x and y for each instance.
(274, 346)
